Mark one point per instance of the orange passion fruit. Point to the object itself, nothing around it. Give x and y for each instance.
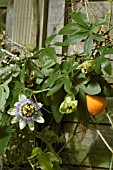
(95, 104)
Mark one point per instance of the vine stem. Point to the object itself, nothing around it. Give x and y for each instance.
(110, 14)
(109, 119)
(86, 9)
(111, 163)
(38, 135)
(40, 91)
(70, 138)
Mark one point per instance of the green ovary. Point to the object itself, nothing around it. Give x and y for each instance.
(68, 107)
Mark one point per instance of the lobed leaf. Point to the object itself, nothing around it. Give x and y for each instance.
(45, 162)
(75, 38)
(88, 44)
(56, 87)
(81, 19)
(49, 39)
(70, 29)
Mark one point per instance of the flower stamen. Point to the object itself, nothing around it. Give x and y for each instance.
(28, 110)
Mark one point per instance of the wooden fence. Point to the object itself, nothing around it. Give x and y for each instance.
(31, 21)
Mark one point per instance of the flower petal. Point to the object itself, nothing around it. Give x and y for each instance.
(16, 104)
(14, 120)
(39, 119)
(22, 124)
(12, 111)
(40, 104)
(31, 126)
(21, 97)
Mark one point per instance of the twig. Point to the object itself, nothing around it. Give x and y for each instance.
(7, 52)
(109, 119)
(110, 14)
(86, 9)
(15, 43)
(95, 15)
(105, 142)
(101, 136)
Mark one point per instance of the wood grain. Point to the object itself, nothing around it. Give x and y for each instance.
(23, 26)
(86, 147)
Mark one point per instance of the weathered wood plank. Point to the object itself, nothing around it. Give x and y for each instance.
(23, 27)
(87, 148)
(56, 12)
(69, 167)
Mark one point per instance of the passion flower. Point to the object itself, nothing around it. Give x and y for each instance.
(26, 111)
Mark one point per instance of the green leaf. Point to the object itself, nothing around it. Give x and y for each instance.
(49, 39)
(56, 114)
(45, 162)
(98, 37)
(22, 74)
(15, 70)
(46, 99)
(81, 19)
(4, 93)
(91, 88)
(56, 101)
(70, 29)
(47, 53)
(106, 65)
(97, 66)
(54, 157)
(67, 84)
(31, 47)
(88, 44)
(107, 51)
(5, 133)
(1, 54)
(82, 114)
(101, 22)
(32, 67)
(36, 151)
(57, 166)
(68, 65)
(56, 87)
(49, 63)
(47, 71)
(39, 80)
(51, 80)
(6, 90)
(12, 70)
(103, 63)
(18, 88)
(58, 44)
(75, 38)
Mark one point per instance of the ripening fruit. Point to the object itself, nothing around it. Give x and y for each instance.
(95, 104)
